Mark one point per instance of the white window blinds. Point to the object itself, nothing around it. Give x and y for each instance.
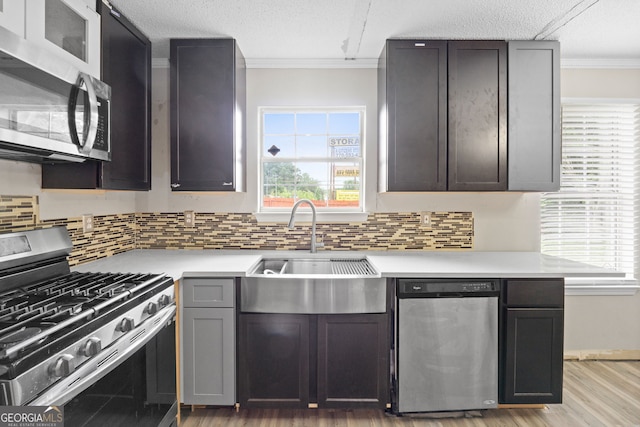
(592, 218)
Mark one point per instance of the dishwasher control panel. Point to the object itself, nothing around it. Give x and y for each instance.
(426, 288)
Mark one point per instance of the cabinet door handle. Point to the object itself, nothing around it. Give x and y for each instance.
(175, 185)
(227, 183)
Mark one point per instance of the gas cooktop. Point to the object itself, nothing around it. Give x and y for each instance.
(57, 326)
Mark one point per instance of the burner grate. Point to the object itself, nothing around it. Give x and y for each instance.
(69, 299)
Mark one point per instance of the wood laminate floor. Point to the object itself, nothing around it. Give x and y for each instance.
(596, 393)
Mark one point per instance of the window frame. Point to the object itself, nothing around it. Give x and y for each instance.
(325, 213)
(606, 286)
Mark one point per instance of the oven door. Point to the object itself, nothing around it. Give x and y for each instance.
(132, 386)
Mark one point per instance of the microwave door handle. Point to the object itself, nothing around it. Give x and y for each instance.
(91, 128)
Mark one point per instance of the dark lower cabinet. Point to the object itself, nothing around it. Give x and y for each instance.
(353, 360)
(533, 364)
(161, 369)
(291, 360)
(532, 327)
(273, 365)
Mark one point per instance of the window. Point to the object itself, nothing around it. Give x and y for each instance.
(592, 218)
(313, 154)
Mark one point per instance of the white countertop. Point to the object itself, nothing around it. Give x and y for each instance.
(484, 265)
(431, 264)
(176, 263)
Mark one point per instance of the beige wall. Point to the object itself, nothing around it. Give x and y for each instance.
(503, 221)
(23, 179)
(602, 322)
(598, 83)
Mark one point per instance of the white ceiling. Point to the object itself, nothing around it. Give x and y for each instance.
(356, 29)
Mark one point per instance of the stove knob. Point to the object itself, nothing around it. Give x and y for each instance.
(164, 300)
(63, 366)
(151, 308)
(91, 347)
(125, 325)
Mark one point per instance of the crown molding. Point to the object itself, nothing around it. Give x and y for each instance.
(623, 63)
(311, 63)
(292, 63)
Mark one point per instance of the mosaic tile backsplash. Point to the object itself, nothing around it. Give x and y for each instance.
(112, 233)
(381, 231)
(120, 233)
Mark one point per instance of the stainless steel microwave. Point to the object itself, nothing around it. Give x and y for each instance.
(49, 110)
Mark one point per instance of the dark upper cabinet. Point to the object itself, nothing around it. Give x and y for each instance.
(126, 67)
(413, 79)
(208, 84)
(477, 116)
(443, 113)
(534, 116)
(531, 354)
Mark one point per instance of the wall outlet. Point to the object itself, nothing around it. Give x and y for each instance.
(189, 218)
(425, 219)
(87, 223)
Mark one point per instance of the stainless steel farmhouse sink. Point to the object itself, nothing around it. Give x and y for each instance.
(313, 286)
(332, 267)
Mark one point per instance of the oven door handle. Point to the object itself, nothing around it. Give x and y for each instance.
(107, 360)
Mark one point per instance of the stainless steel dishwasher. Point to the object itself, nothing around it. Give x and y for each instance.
(446, 345)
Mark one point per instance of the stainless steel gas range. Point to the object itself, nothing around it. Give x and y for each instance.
(61, 332)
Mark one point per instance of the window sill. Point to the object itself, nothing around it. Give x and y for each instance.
(305, 217)
(600, 286)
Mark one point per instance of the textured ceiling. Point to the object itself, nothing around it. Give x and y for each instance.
(356, 29)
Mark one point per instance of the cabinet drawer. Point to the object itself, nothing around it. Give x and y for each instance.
(208, 292)
(534, 292)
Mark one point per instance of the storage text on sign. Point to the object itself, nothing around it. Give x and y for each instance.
(341, 141)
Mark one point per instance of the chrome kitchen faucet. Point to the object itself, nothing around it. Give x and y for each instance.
(314, 243)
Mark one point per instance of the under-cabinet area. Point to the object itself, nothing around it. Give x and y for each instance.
(503, 337)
